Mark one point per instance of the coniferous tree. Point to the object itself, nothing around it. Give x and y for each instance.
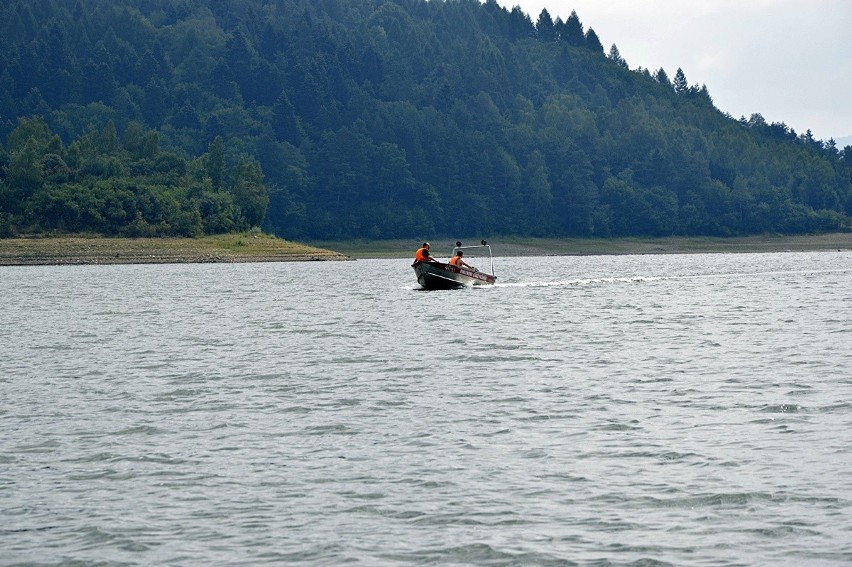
(681, 86)
(370, 118)
(615, 56)
(544, 27)
(574, 31)
(520, 24)
(593, 42)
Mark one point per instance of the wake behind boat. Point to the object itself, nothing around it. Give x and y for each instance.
(432, 274)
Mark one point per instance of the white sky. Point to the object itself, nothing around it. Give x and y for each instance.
(789, 60)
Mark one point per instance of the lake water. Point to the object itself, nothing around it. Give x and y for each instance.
(610, 410)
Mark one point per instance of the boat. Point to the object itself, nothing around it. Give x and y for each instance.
(439, 275)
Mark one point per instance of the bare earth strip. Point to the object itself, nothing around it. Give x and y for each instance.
(96, 250)
(512, 246)
(263, 248)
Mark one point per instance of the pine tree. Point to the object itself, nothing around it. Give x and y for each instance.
(615, 56)
(593, 42)
(544, 29)
(574, 31)
(681, 86)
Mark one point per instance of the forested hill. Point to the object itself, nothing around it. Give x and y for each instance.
(377, 118)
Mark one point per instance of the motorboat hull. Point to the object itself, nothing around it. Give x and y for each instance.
(437, 275)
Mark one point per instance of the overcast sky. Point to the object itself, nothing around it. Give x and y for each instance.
(789, 60)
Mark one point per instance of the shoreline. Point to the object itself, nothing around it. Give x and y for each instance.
(94, 250)
(517, 246)
(257, 247)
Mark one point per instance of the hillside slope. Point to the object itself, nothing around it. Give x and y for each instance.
(377, 118)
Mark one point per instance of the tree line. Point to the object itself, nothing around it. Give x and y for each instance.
(124, 185)
(377, 118)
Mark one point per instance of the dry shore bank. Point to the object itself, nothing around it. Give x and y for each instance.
(96, 250)
(512, 246)
(263, 248)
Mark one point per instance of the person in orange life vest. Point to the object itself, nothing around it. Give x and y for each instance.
(457, 261)
(422, 254)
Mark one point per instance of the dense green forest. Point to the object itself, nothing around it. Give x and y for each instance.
(377, 118)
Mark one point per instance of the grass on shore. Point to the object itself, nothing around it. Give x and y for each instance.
(87, 249)
(515, 246)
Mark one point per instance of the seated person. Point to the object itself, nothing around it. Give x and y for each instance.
(422, 254)
(457, 261)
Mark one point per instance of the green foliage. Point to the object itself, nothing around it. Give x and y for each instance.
(377, 118)
(616, 57)
(593, 42)
(131, 188)
(680, 85)
(25, 171)
(249, 193)
(216, 162)
(573, 33)
(544, 28)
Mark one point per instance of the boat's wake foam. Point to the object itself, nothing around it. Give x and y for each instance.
(582, 282)
(586, 282)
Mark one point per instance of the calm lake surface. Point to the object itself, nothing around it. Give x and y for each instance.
(610, 410)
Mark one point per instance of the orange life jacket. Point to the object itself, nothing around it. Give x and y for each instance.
(422, 255)
(455, 260)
